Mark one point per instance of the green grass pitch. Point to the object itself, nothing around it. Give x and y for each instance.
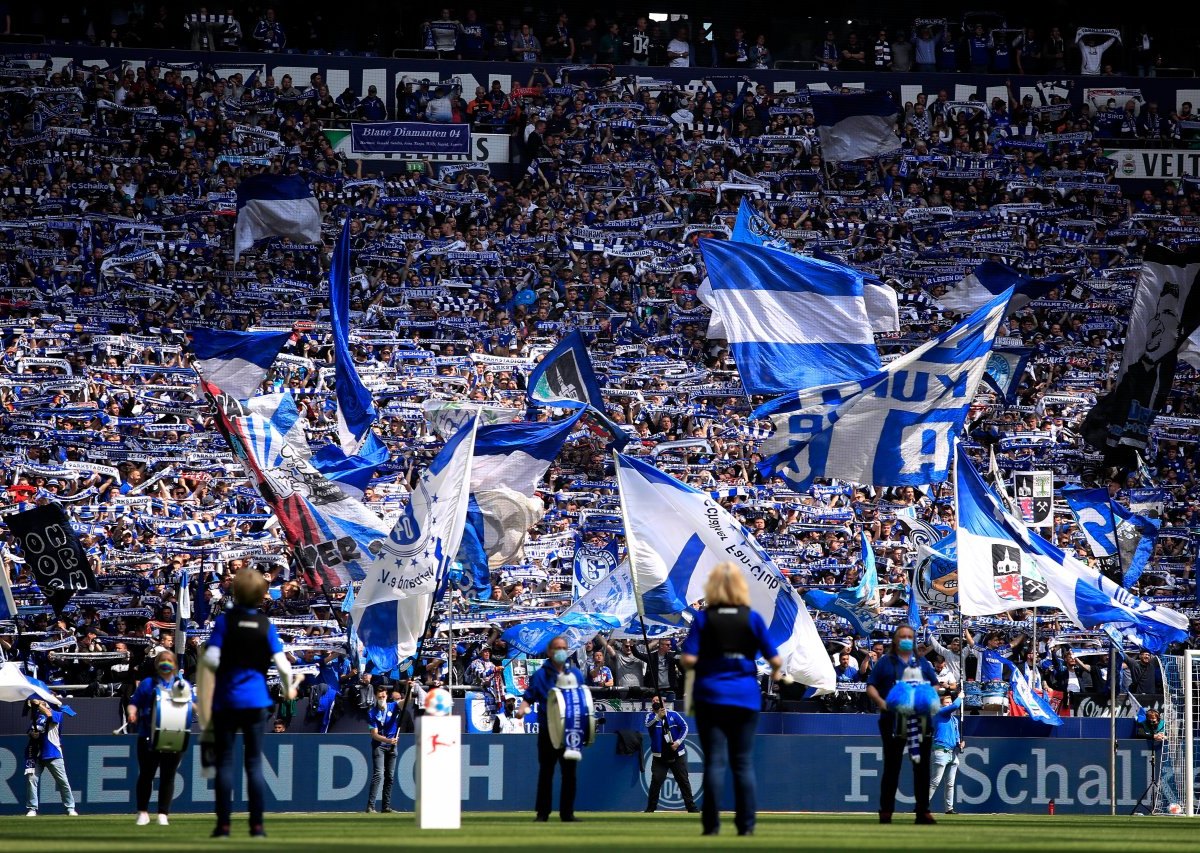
(606, 832)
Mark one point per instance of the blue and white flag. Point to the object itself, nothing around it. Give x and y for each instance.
(607, 606)
(281, 412)
(676, 535)
(1003, 566)
(565, 378)
(352, 473)
(990, 278)
(275, 206)
(1115, 534)
(592, 563)
(1005, 368)
(753, 228)
(855, 126)
(1035, 705)
(416, 555)
(859, 604)
(517, 455)
(936, 573)
(236, 362)
(894, 428)
(881, 299)
(355, 408)
(791, 321)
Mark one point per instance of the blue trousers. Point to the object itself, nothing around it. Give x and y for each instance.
(727, 738)
(383, 769)
(251, 722)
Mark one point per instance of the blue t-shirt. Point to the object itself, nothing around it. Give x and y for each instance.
(51, 740)
(545, 680)
(238, 689)
(143, 699)
(728, 681)
(946, 735)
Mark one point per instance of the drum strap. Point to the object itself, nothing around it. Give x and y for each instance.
(575, 719)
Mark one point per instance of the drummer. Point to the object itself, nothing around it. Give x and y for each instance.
(538, 691)
(140, 712)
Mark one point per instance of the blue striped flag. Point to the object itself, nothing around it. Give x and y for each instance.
(894, 428)
(791, 321)
(275, 205)
(991, 278)
(236, 362)
(355, 408)
(855, 126)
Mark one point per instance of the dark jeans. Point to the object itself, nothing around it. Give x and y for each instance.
(548, 757)
(727, 738)
(895, 745)
(251, 722)
(383, 769)
(676, 762)
(151, 761)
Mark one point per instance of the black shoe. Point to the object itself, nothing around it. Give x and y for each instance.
(711, 832)
(926, 819)
(951, 812)
(220, 832)
(571, 819)
(885, 817)
(388, 810)
(371, 809)
(647, 811)
(693, 809)
(541, 819)
(258, 832)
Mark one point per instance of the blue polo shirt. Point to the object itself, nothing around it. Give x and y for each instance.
(545, 680)
(385, 720)
(242, 688)
(889, 670)
(728, 681)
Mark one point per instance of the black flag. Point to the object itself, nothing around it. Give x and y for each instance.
(1166, 310)
(53, 553)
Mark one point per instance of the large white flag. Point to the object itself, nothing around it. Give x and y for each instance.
(676, 535)
(418, 551)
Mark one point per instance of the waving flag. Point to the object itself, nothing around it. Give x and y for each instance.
(893, 428)
(753, 228)
(791, 321)
(352, 473)
(1035, 705)
(1003, 566)
(608, 605)
(565, 378)
(936, 573)
(1118, 537)
(331, 535)
(859, 604)
(676, 535)
(881, 299)
(236, 362)
(855, 126)
(416, 555)
(275, 206)
(1166, 312)
(355, 409)
(53, 553)
(8, 606)
(280, 410)
(991, 278)
(1005, 368)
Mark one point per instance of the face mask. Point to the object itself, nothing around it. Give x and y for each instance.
(559, 655)
(382, 703)
(905, 645)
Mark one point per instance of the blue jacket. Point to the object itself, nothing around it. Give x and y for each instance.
(143, 699)
(947, 734)
(545, 680)
(675, 724)
(889, 670)
(385, 720)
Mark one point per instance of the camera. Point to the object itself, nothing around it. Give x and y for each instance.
(656, 705)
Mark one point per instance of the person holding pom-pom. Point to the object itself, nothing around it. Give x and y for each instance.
(904, 687)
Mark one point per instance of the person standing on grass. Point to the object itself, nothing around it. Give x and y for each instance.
(241, 648)
(45, 753)
(668, 732)
(140, 712)
(384, 722)
(540, 685)
(722, 645)
(947, 746)
(901, 664)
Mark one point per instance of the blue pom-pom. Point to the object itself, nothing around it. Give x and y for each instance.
(900, 698)
(925, 700)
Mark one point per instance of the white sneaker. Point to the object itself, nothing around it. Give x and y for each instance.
(72, 813)
(143, 818)
(31, 813)
(162, 820)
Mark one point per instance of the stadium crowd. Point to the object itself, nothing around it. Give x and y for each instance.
(116, 233)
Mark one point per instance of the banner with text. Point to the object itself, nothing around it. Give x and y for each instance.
(409, 137)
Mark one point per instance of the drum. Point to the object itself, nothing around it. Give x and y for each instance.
(172, 719)
(994, 696)
(570, 720)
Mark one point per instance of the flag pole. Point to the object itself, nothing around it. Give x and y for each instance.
(962, 620)
(1114, 676)
(637, 595)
